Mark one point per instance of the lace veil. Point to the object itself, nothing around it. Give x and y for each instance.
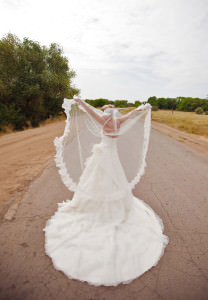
(82, 132)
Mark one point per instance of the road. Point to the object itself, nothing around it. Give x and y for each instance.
(174, 185)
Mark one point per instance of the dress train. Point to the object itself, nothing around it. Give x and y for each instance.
(104, 235)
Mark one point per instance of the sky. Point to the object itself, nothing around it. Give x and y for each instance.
(121, 49)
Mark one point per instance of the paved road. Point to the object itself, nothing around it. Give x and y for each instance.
(174, 185)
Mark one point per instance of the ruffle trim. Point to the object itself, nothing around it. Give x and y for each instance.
(58, 143)
(66, 179)
(105, 284)
(147, 127)
(164, 242)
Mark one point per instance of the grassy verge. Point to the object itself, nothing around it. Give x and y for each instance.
(186, 121)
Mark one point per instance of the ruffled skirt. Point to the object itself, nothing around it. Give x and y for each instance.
(104, 235)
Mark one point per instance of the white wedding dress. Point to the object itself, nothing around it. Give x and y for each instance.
(104, 235)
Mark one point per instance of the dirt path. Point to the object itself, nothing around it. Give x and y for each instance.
(24, 155)
(174, 185)
(195, 141)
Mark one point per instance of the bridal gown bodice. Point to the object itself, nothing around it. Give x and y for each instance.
(104, 235)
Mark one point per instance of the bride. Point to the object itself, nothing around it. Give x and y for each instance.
(104, 235)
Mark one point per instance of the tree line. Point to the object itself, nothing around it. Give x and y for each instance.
(179, 103)
(34, 80)
(117, 103)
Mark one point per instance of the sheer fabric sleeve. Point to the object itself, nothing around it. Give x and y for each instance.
(133, 144)
(73, 148)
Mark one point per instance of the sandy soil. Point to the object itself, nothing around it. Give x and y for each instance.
(24, 155)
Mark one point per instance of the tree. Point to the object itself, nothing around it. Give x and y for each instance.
(34, 80)
(121, 103)
(137, 103)
(153, 100)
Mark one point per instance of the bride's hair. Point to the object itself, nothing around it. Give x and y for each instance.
(107, 106)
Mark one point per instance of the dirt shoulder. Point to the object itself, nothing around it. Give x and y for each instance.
(24, 155)
(197, 142)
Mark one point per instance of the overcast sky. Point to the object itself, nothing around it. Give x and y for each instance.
(121, 49)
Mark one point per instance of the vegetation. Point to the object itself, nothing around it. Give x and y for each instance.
(118, 103)
(186, 121)
(199, 110)
(34, 80)
(179, 103)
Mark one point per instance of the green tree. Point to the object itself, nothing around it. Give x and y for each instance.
(34, 80)
(98, 102)
(137, 103)
(153, 100)
(121, 103)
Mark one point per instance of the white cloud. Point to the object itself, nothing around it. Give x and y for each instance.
(122, 49)
(13, 4)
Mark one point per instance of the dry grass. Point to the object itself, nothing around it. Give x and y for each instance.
(186, 121)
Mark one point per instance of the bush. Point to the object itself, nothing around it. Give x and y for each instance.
(154, 107)
(11, 115)
(199, 110)
(206, 112)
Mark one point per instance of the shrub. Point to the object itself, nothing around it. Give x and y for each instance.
(199, 110)
(11, 115)
(206, 112)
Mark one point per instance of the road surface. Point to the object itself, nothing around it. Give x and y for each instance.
(175, 185)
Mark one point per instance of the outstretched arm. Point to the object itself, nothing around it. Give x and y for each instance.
(91, 111)
(128, 115)
(134, 112)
